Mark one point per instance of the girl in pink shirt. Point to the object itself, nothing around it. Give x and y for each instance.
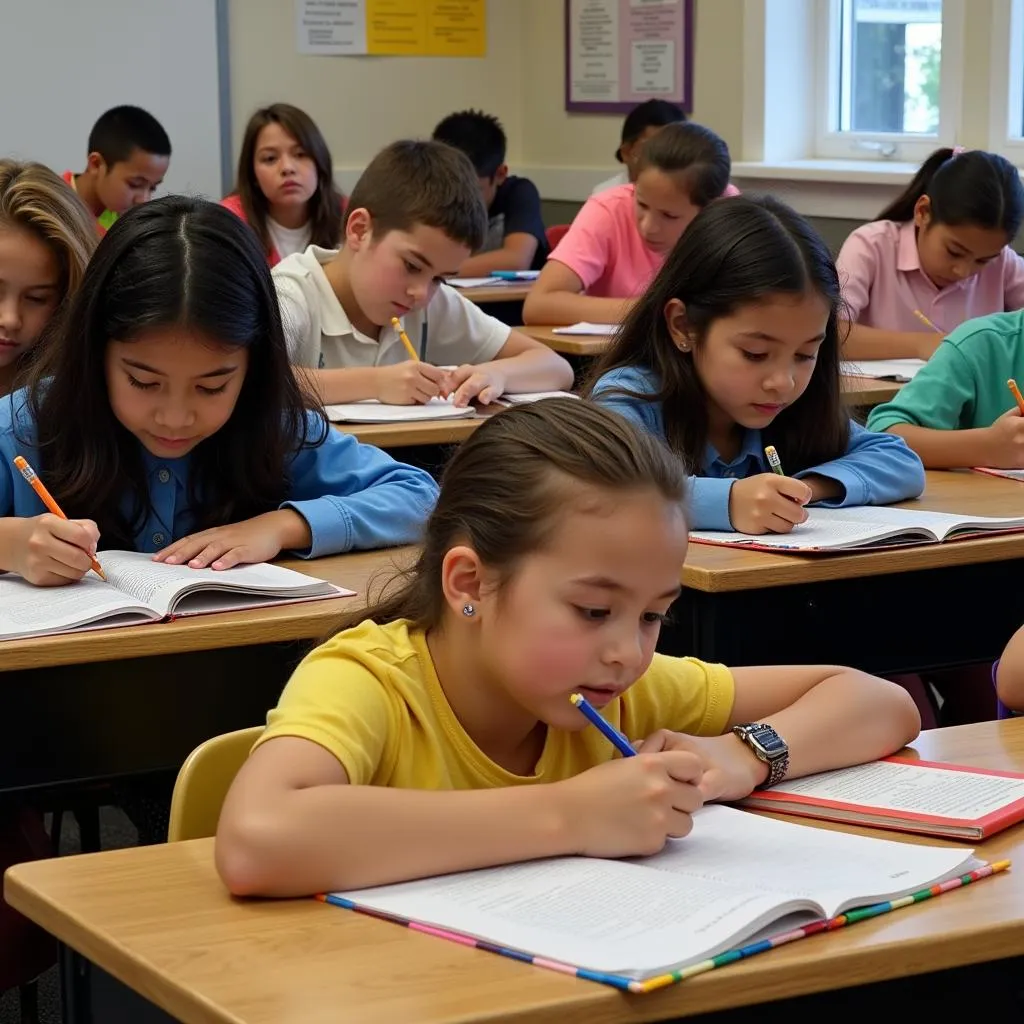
(938, 255)
(620, 238)
(285, 189)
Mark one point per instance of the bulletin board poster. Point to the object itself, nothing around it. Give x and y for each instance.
(619, 53)
(402, 28)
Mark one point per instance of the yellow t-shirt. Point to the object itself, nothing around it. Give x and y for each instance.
(371, 697)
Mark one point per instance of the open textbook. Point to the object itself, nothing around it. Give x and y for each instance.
(372, 411)
(948, 800)
(639, 924)
(900, 370)
(141, 590)
(863, 526)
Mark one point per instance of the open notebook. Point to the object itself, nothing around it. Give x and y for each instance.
(865, 526)
(587, 328)
(372, 411)
(1009, 474)
(141, 590)
(900, 370)
(737, 879)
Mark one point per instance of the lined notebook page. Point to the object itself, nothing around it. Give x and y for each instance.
(897, 369)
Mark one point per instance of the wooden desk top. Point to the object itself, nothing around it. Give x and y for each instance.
(514, 292)
(568, 344)
(719, 569)
(865, 391)
(303, 621)
(158, 919)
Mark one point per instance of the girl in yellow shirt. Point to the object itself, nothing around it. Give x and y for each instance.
(435, 732)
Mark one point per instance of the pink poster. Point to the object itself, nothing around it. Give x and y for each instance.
(622, 52)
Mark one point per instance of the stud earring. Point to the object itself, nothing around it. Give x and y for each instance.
(468, 610)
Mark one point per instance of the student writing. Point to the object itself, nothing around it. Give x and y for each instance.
(735, 346)
(958, 411)
(129, 153)
(621, 237)
(413, 218)
(435, 733)
(285, 186)
(643, 122)
(516, 239)
(941, 249)
(164, 415)
(46, 239)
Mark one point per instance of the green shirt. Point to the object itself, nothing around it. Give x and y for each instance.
(963, 385)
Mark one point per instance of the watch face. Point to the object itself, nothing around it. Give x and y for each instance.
(770, 741)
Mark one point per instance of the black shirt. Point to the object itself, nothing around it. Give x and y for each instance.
(516, 210)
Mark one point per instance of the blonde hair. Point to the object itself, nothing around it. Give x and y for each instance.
(35, 199)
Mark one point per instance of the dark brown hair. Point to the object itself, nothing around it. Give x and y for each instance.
(419, 182)
(694, 155)
(505, 489)
(324, 203)
(735, 251)
(194, 265)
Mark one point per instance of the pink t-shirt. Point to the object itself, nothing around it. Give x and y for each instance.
(603, 247)
(883, 283)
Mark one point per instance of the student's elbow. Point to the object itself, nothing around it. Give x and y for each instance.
(533, 306)
(243, 854)
(904, 715)
(561, 373)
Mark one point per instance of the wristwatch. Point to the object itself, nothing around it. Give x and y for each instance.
(767, 746)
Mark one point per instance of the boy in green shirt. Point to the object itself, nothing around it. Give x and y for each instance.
(958, 410)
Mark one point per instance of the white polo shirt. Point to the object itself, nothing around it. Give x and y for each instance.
(449, 332)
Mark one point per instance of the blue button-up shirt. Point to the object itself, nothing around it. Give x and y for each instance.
(875, 469)
(352, 495)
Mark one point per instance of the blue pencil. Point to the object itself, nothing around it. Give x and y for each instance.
(617, 740)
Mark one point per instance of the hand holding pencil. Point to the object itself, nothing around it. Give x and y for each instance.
(413, 382)
(52, 550)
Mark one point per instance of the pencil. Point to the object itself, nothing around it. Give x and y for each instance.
(47, 499)
(920, 316)
(773, 459)
(1015, 391)
(397, 324)
(617, 740)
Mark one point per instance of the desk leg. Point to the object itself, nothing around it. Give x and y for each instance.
(89, 994)
(75, 995)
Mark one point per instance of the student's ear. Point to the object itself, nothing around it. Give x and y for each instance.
(500, 175)
(95, 163)
(464, 581)
(678, 326)
(358, 229)
(922, 212)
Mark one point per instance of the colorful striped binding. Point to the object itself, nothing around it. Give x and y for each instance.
(663, 980)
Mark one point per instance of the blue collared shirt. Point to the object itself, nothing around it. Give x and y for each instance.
(352, 495)
(875, 469)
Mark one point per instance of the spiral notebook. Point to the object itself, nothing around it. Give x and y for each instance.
(738, 885)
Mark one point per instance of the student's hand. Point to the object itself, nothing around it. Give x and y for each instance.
(731, 771)
(483, 383)
(632, 805)
(1006, 441)
(768, 503)
(253, 540)
(410, 383)
(51, 551)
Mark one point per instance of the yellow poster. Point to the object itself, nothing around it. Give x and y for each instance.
(426, 28)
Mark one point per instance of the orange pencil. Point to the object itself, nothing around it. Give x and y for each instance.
(47, 499)
(1015, 391)
(920, 316)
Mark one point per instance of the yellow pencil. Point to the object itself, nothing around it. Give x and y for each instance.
(47, 499)
(397, 324)
(773, 459)
(920, 316)
(1015, 391)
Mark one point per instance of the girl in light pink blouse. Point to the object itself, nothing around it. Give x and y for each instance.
(620, 238)
(937, 256)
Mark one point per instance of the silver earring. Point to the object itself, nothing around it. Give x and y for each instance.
(468, 610)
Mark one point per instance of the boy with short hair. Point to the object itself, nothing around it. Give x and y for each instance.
(129, 153)
(516, 239)
(413, 218)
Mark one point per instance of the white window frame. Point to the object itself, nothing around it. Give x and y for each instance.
(882, 146)
(1006, 81)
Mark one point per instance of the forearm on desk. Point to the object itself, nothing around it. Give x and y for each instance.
(563, 307)
(945, 449)
(340, 385)
(865, 343)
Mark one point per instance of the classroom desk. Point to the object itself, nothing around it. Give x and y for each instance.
(89, 706)
(422, 432)
(899, 610)
(158, 919)
(514, 292)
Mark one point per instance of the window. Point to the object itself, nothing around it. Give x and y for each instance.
(891, 88)
(1007, 80)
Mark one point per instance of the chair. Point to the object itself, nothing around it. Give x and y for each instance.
(1002, 711)
(203, 783)
(556, 233)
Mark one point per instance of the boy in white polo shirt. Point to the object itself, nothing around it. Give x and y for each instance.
(413, 218)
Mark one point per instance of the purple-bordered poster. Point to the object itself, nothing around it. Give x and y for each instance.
(621, 52)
